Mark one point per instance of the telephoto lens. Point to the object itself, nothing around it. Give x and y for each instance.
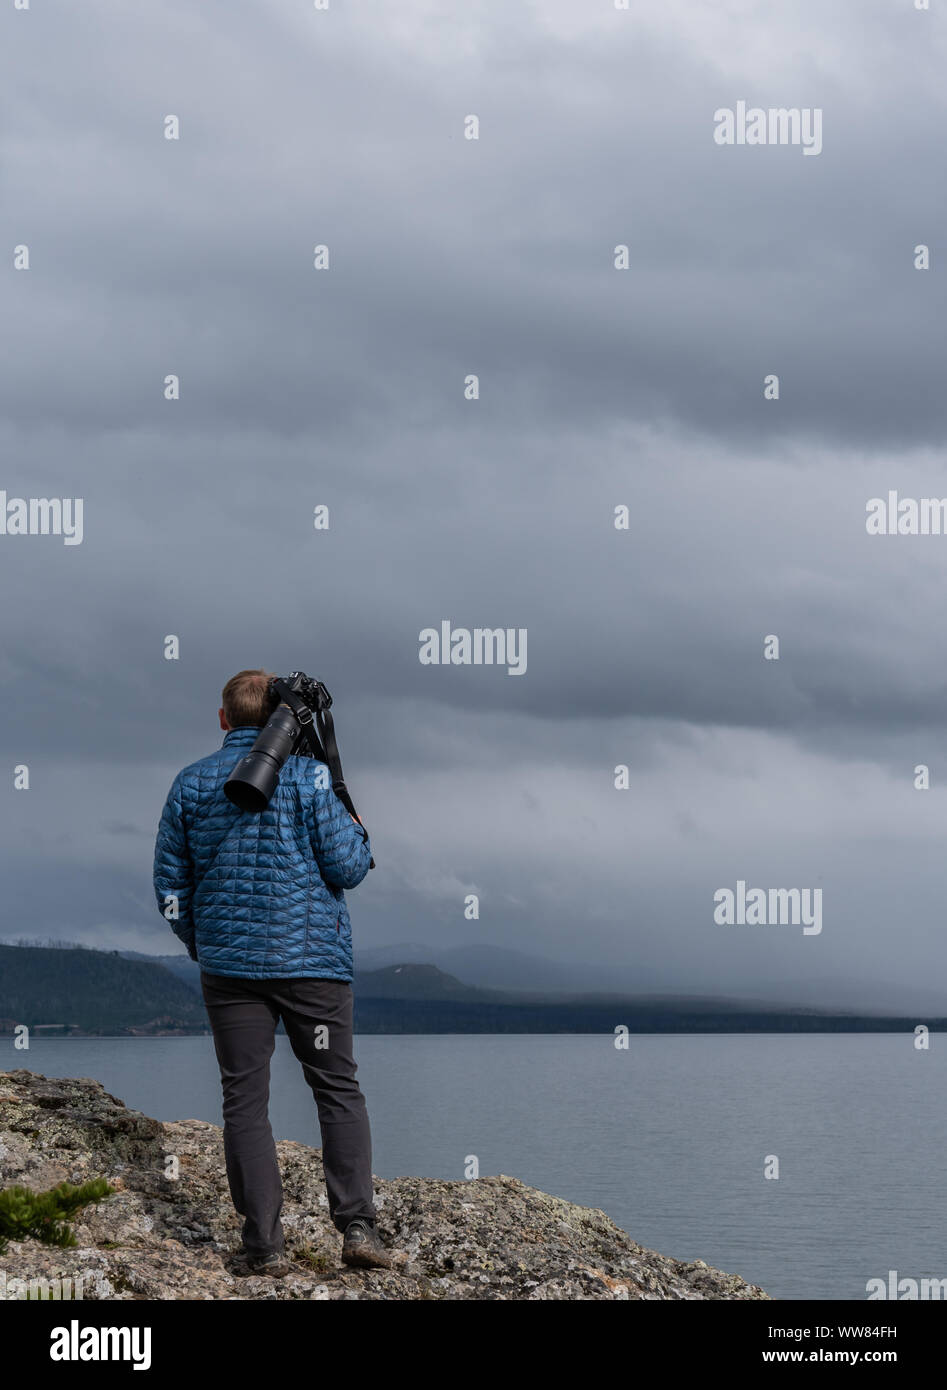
(253, 780)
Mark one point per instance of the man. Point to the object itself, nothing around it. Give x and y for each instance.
(258, 900)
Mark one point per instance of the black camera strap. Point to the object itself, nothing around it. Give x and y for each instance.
(326, 748)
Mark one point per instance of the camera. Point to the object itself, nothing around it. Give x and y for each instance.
(300, 724)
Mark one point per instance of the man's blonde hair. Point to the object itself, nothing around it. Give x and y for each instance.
(245, 700)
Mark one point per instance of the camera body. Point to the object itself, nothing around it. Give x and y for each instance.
(295, 699)
(312, 693)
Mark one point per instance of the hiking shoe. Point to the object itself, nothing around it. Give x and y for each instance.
(362, 1247)
(275, 1266)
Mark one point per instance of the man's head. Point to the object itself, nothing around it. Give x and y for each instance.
(245, 699)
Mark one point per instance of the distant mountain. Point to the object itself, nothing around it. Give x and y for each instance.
(428, 982)
(107, 992)
(501, 967)
(415, 998)
(93, 992)
(180, 965)
(413, 982)
(490, 967)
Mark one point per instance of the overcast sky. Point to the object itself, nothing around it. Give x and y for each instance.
(598, 387)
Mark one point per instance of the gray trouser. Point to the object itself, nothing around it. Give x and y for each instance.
(317, 1015)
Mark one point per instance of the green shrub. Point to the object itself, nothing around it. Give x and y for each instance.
(45, 1215)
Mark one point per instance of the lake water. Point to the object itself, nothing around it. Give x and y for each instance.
(669, 1138)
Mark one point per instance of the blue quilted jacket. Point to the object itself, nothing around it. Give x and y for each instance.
(260, 895)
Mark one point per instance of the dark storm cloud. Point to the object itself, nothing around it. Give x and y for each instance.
(597, 388)
(195, 255)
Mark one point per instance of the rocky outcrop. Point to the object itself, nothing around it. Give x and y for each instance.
(169, 1231)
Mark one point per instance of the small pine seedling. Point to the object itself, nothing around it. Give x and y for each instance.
(45, 1215)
